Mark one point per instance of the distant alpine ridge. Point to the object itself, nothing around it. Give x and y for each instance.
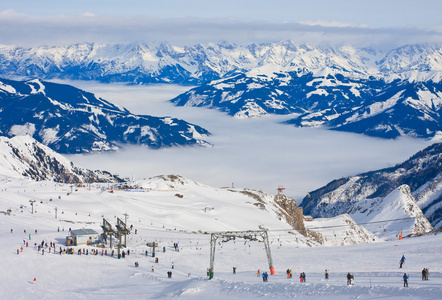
(419, 180)
(70, 120)
(363, 90)
(140, 63)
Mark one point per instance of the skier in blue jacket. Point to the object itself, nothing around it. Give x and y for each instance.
(405, 280)
(401, 262)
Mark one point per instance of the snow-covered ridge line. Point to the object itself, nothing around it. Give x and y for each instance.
(24, 156)
(70, 120)
(165, 63)
(414, 185)
(371, 106)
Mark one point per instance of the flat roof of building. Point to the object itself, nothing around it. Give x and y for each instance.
(83, 231)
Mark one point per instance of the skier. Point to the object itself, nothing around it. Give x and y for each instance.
(234, 270)
(348, 278)
(401, 262)
(405, 280)
(288, 273)
(326, 274)
(427, 273)
(173, 265)
(258, 274)
(424, 273)
(265, 277)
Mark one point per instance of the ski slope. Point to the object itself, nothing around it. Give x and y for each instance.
(159, 215)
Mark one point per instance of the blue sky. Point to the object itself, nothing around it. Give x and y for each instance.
(389, 23)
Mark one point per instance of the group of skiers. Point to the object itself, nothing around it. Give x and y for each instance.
(425, 274)
(350, 279)
(265, 277)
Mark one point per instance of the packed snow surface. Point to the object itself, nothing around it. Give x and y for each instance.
(157, 211)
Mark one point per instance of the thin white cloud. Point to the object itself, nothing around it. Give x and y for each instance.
(23, 30)
(325, 23)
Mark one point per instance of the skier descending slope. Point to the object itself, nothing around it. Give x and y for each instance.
(401, 262)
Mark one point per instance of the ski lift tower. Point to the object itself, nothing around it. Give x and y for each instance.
(251, 235)
(280, 189)
(107, 231)
(121, 230)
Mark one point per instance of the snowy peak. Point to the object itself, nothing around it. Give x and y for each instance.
(24, 156)
(397, 212)
(70, 120)
(420, 57)
(164, 63)
(339, 231)
(421, 174)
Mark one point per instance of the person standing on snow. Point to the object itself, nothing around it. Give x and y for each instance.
(405, 279)
(326, 274)
(401, 262)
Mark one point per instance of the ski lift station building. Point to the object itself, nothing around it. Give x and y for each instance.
(82, 236)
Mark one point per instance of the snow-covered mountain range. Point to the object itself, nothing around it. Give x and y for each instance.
(70, 120)
(363, 90)
(370, 106)
(164, 63)
(24, 156)
(418, 181)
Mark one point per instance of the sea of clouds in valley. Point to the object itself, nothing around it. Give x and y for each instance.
(255, 153)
